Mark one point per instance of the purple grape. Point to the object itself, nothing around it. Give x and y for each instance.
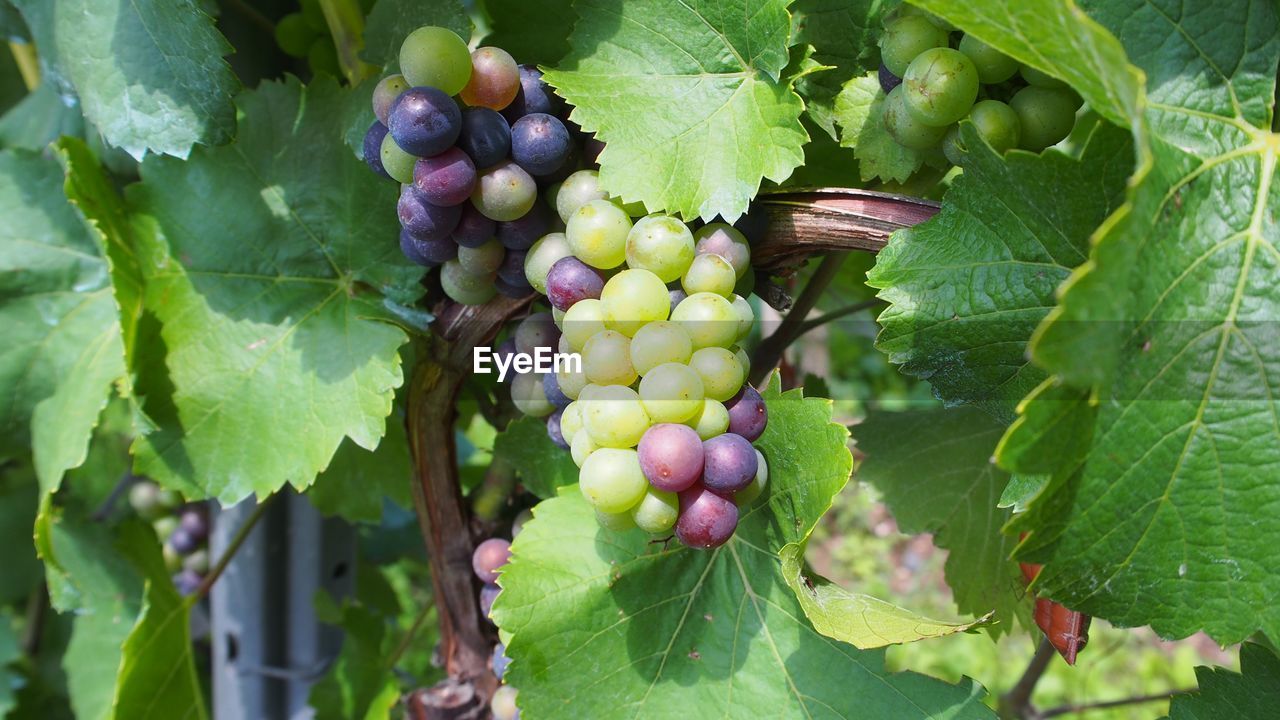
(429, 252)
(523, 232)
(570, 280)
(671, 456)
(707, 520)
(509, 289)
(500, 661)
(730, 463)
(488, 593)
(555, 396)
(888, 81)
(488, 557)
(747, 414)
(372, 148)
(182, 541)
(534, 96)
(678, 296)
(540, 143)
(537, 330)
(485, 136)
(445, 179)
(553, 427)
(424, 220)
(567, 168)
(195, 520)
(424, 121)
(473, 229)
(187, 582)
(512, 268)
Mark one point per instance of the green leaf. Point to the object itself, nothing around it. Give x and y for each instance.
(40, 118)
(1164, 351)
(535, 33)
(19, 497)
(1021, 490)
(968, 288)
(935, 471)
(357, 480)
(1224, 695)
(687, 98)
(610, 625)
(391, 20)
(359, 684)
(860, 620)
(1053, 36)
(278, 317)
(63, 347)
(843, 34)
(150, 73)
(858, 111)
(542, 466)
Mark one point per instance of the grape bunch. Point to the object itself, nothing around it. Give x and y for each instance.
(182, 527)
(470, 166)
(305, 35)
(658, 417)
(934, 78)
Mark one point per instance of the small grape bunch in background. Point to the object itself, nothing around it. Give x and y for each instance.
(471, 137)
(486, 562)
(305, 35)
(934, 78)
(182, 527)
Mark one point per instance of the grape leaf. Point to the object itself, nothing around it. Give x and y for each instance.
(19, 497)
(535, 33)
(1165, 353)
(40, 118)
(357, 480)
(968, 288)
(1253, 692)
(935, 471)
(542, 466)
(858, 111)
(278, 318)
(687, 97)
(391, 20)
(843, 34)
(651, 620)
(63, 347)
(150, 74)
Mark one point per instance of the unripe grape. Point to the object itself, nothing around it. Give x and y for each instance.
(662, 245)
(633, 298)
(722, 375)
(709, 319)
(906, 38)
(905, 129)
(709, 273)
(582, 321)
(660, 342)
(614, 416)
(435, 57)
(544, 253)
(529, 397)
(385, 93)
(611, 480)
(992, 65)
(748, 495)
(1045, 116)
(940, 86)
(671, 393)
(711, 421)
(582, 446)
(657, 511)
(606, 359)
(597, 232)
(577, 190)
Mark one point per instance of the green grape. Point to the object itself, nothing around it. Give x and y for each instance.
(294, 35)
(504, 192)
(1041, 79)
(463, 287)
(633, 298)
(436, 57)
(940, 86)
(582, 321)
(711, 421)
(397, 162)
(746, 315)
(662, 245)
(997, 123)
(528, 396)
(582, 446)
(657, 512)
(709, 273)
(606, 359)
(542, 255)
(597, 232)
(905, 38)
(483, 260)
(617, 522)
(615, 417)
(658, 343)
(570, 421)
(671, 393)
(748, 495)
(322, 57)
(992, 65)
(1045, 115)
(743, 359)
(611, 479)
(709, 319)
(577, 190)
(722, 375)
(906, 130)
(572, 381)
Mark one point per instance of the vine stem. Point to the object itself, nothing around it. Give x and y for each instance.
(838, 313)
(1105, 704)
(242, 534)
(24, 55)
(770, 351)
(346, 24)
(1017, 702)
